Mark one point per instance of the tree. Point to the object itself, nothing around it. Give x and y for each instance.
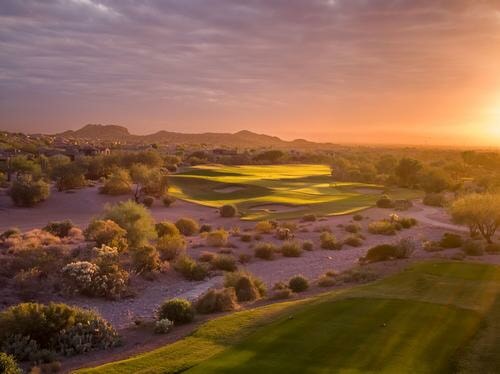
(407, 171)
(480, 212)
(271, 156)
(148, 180)
(27, 191)
(386, 164)
(22, 165)
(133, 218)
(68, 176)
(118, 183)
(435, 180)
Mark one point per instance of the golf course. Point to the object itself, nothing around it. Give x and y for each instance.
(432, 317)
(276, 191)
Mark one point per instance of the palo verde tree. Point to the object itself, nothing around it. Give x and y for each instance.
(480, 212)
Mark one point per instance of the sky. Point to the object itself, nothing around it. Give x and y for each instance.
(356, 71)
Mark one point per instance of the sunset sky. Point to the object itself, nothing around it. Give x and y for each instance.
(382, 71)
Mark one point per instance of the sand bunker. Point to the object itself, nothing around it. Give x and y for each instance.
(278, 208)
(229, 189)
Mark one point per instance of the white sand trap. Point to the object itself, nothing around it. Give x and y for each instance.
(229, 189)
(278, 208)
(368, 191)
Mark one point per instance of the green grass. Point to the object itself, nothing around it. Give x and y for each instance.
(434, 317)
(304, 188)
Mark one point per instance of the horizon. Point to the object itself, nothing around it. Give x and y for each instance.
(346, 72)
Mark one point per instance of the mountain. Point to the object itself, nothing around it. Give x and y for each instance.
(241, 139)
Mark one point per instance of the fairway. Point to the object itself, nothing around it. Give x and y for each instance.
(434, 317)
(276, 191)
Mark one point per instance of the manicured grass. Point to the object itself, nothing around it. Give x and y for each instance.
(427, 319)
(304, 188)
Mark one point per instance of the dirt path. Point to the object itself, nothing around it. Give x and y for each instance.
(425, 215)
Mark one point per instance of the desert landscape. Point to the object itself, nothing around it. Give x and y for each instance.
(247, 186)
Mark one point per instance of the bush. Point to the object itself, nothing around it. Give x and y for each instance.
(473, 248)
(264, 227)
(282, 293)
(450, 240)
(224, 262)
(168, 200)
(265, 251)
(221, 300)
(163, 326)
(298, 283)
(328, 241)
(205, 228)
(59, 228)
(247, 286)
(228, 211)
(357, 217)
(291, 249)
(353, 241)
(145, 259)
(206, 256)
(14, 231)
(190, 269)
(27, 192)
(431, 246)
(187, 226)
(171, 246)
(8, 365)
(29, 282)
(179, 311)
(407, 222)
(166, 228)
(118, 183)
(217, 238)
(382, 228)
(246, 238)
(353, 228)
(29, 329)
(386, 252)
(244, 258)
(307, 245)
(385, 202)
(106, 232)
(135, 219)
(326, 280)
(148, 201)
(434, 199)
(309, 218)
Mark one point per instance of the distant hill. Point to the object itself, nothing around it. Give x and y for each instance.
(241, 139)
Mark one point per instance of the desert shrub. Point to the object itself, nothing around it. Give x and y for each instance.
(221, 300)
(190, 269)
(47, 259)
(148, 201)
(451, 240)
(118, 183)
(29, 329)
(357, 217)
(298, 283)
(179, 311)
(405, 247)
(282, 293)
(8, 364)
(328, 241)
(145, 259)
(29, 282)
(265, 251)
(106, 232)
(283, 233)
(244, 258)
(217, 238)
(228, 211)
(353, 241)
(166, 228)
(353, 228)
(168, 200)
(291, 249)
(492, 248)
(205, 228)
(434, 199)
(385, 202)
(247, 286)
(224, 262)
(246, 238)
(14, 231)
(384, 252)
(357, 275)
(431, 246)
(187, 226)
(307, 245)
(407, 222)
(171, 246)
(323, 228)
(473, 247)
(27, 192)
(163, 326)
(135, 219)
(309, 217)
(59, 228)
(382, 228)
(207, 256)
(264, 227)
(326, 280)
